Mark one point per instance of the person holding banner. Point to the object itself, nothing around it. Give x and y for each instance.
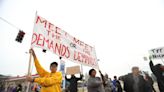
(94, 83)
(50, 82)
(158, 71)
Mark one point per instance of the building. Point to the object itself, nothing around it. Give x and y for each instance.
(12, 82)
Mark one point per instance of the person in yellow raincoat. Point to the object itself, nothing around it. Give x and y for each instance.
(50, 82)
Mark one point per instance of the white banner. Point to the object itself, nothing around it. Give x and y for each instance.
(157, 53)
(50, 37)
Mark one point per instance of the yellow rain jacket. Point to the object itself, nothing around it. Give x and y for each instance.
(50, 82)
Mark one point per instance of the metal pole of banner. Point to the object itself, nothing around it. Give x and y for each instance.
(103, 88)
(99, 70)
(82, 78)
(29, 73)
(29, 66)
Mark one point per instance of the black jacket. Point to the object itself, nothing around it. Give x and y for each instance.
(73, 83)
(129, 81)
(159, 74)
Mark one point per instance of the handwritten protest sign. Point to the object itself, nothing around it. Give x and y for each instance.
(157, 53)
(50, 37)
(73, 70)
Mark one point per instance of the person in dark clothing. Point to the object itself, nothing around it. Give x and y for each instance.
(158, 71)
(134, 82)
(117, 85)
(149, 83)
(73, 82)
(19, 88)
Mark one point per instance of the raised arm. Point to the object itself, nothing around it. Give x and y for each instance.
(67, 78)
(103, 77)
(81, 77)
(41, 71)
(49, 81)
(151, 66)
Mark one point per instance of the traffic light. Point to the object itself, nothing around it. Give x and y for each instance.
(44, 50)
(20, 36)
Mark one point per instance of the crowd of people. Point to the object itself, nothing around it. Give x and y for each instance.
(17, 88)
(136, 81)
(132, 82)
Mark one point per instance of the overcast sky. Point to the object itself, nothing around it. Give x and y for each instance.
(121, 30)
